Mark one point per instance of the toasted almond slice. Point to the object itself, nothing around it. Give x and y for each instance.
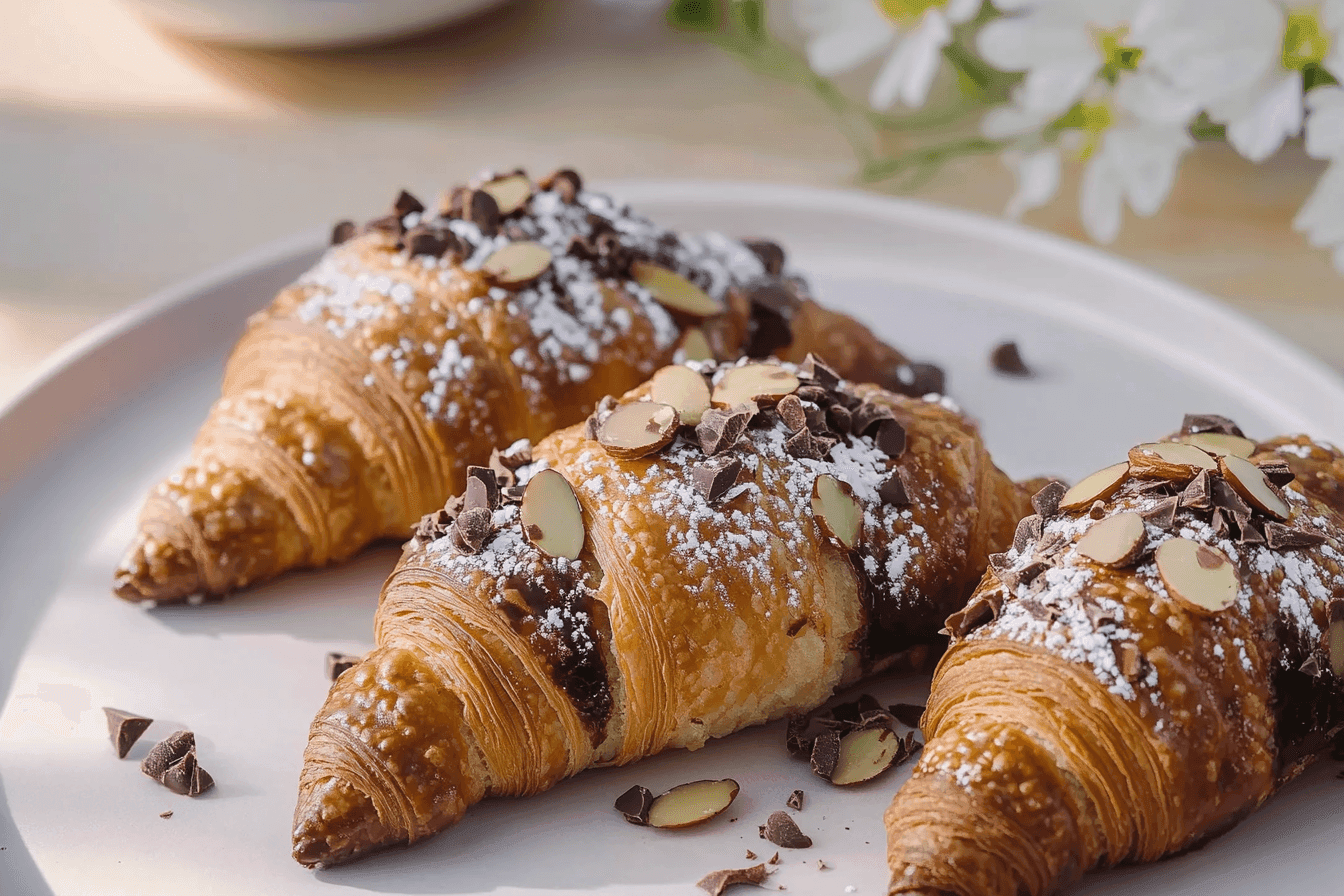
(673, 291)
(1252, 484)
(551, 516)
(865, 754)
(1115, 542)
(517, 264)
(637, 428)
(695, 346)
(693, 803)
(1200, 576)
(510, 192)
(740, 385)
(836, 508)
(1168, 460)
(682, 388)
(1220, 443)
(1097, 487)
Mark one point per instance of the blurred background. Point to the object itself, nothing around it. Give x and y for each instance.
(131, 157)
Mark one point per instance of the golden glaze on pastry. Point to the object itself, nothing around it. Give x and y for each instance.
(503, 671)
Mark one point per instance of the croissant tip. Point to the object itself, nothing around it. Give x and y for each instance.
(336, 822)
(171, 576)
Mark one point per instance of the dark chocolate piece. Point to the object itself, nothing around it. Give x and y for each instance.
(770, 253)
(389, 224)
(804, 445)
(167, 752)
(1248, 531)
(433, 526)
(474, 528)
(716, 475)
(890, 438)
(719, 430)
(790, 410)
(481, 209)
(405, 203)
(342, 232)
(825, 754)
(908, 714)
(1163, 514)
(770, 326)
(1225, 497)
(1210, 423)
(839, 418)
(338, 663)
(1029, 529)
(781, 830)
(795, 741)
(868, 415)
(1006, 359)
(564, 181)
(482, 488)
(893, 490)
(918, 379)
(815, 369)
(1279, 537)
(124, 728)
(715, 883)
(426, 239)
(1198, 494)
(795, 800)
(635, 803)
(179, 776)
(1277, 472)
(1046, 501)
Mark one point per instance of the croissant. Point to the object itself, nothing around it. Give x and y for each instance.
(1159, 652)
(641, 585)
(366, 388)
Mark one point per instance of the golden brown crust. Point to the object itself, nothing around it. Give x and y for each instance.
(1098, 718)
(697, 618)
(352, 403)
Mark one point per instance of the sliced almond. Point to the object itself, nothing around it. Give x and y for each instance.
(517, 264)
(865, 754)
(693, 803)
(1220, 443)
(1202, 577)
(682, 388)
(695, 346)
(1097, 487)
(638, 428)
(1252, 484)
(749, 382)
(1168, 460)
(1115, 542)
(838, 511)
(551, 516)
(510, 192)
(673, 291)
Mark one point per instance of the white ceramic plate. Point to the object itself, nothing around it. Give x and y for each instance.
(1122, 355)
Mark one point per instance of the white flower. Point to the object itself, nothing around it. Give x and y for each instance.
(845, 33)
(1322, 216)
(1135, 162)
(1037, 174)
(1325, 125)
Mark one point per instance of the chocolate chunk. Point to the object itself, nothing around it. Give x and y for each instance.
(795, 800)
(816, 421)
(1162, 514)
(814, 369)
(516, 455)
(1007, 360)
(482, 488)
(406, 203)
(168, 814)
(389, 224)
(343, 231)
(166, 752)
(719, 430)
(770, 253)
(781, 830)
(1311, 666)
(481, 209)
(822, 398)
(1209, 423)
(433, 526)
(795, 741)
(1028, 573)
(1198, 494)
(790, 410)
(1248, 531)
(770, 324)
(513, 494)
(802, 444)
(893, 490)
(1097, 510)
(717, 882)
(980, 611)
(715, 476)
(1279, 537)
(839, 419)
(868, 415)
(1028, 530)
(473, 528)
(564, 181)
(890, 438)
(918, 379)
(825, 754)
(178, 776)
(1277, 472)
(635, 803)
(1046, 501)
(124, 728)
(1225, 497)
(908, 714)
(426, 239)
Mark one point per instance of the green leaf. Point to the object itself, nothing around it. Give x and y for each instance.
(693, 15)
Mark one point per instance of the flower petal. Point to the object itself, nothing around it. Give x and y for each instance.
(958, 11)
(845, 33)
(1209, 48)
(1325, 124)
(908, 72)
(1153, 99)
(1099, 200)
(1024, 42)
(1054, 87)
(1145, 158)
(1322, 215)
(1013, 121)
(1037, 175)
(1258, 131)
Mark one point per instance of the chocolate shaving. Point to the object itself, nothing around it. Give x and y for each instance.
(893, 491)
(802, 444)
(124, 728)
(473, 529)
(1227, 498)
(1194, 423)
(791, 411)
(1277, 472)
(405, 203)
(166, 752)
(1046, 501)
(781, 830)
(1279, 537)
(770, 253)
(388, 224)
(1006, 359)
(1029, 529)
(338, 663)
(868, 415)
(1198, 494)
(563, 181)
(814, 369)
(342, 232)
(716, 882)
(795, 800)
(715, 476)
(825, 754)
(482, 488)
(635, 804)
(719, 429)
(1162, 514)
(1026, 574)
(980, 611)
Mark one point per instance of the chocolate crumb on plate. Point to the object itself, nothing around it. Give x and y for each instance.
(124, 728)
(795, 800)
(1006, 358)
(168, 814)
(781, 830)
(716, 882)
(635, 803)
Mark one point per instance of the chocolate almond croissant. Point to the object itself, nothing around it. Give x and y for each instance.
(666, 573)
(1158, 654)
(362, 393)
